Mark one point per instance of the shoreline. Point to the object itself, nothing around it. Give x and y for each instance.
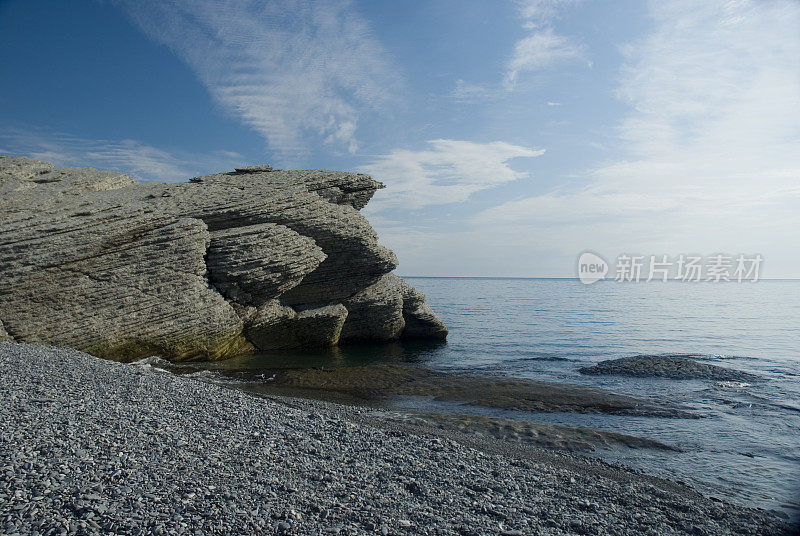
(92, 446)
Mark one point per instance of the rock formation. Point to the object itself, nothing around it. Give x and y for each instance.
(675, 367)
(222, 265)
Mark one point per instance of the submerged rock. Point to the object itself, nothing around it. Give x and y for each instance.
(377, 382)
(672, 367)
(550, 436)
(209, 269)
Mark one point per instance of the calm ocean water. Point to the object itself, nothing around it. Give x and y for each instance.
(745, 449)
(747, 446)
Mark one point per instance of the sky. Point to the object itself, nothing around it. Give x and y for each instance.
(511, 136)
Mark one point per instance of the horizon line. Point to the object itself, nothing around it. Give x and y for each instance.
(578, 279)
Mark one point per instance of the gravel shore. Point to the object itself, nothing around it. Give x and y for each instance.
(94, 447)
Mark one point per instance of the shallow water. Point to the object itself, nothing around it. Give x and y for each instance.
(746, 448)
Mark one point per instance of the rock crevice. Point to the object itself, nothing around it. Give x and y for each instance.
(208, 269)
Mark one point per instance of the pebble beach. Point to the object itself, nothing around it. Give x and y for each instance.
(95, 447)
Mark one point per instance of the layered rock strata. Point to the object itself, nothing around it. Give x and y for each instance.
(219, 266)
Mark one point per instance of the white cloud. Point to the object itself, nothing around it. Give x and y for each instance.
(466, 92)
(449, 172)
(289, 69)
(713, 134)
(538, 13)
(709, 70)
(141, 161)
(542, 47)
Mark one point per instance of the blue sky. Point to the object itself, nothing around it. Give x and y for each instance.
(511, 135)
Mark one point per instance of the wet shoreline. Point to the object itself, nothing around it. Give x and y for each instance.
(673, 430)
(107, 447)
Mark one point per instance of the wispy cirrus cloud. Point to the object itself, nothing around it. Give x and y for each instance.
(140, 160)
(295, 71)
(450, 171)
(710, 70)
(466, 92)
(711, 139)
(543, 47)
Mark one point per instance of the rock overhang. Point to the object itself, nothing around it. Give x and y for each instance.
(192, 270)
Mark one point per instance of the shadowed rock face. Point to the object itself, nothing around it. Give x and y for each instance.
(219, 266)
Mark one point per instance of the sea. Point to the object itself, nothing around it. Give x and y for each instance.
(744, 448)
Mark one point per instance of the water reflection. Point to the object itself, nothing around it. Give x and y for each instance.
(400, 352)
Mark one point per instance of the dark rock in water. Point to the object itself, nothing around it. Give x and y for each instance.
(675, 368)
(421, 321)
(375, 382)
(551, 436)
(208, 269)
